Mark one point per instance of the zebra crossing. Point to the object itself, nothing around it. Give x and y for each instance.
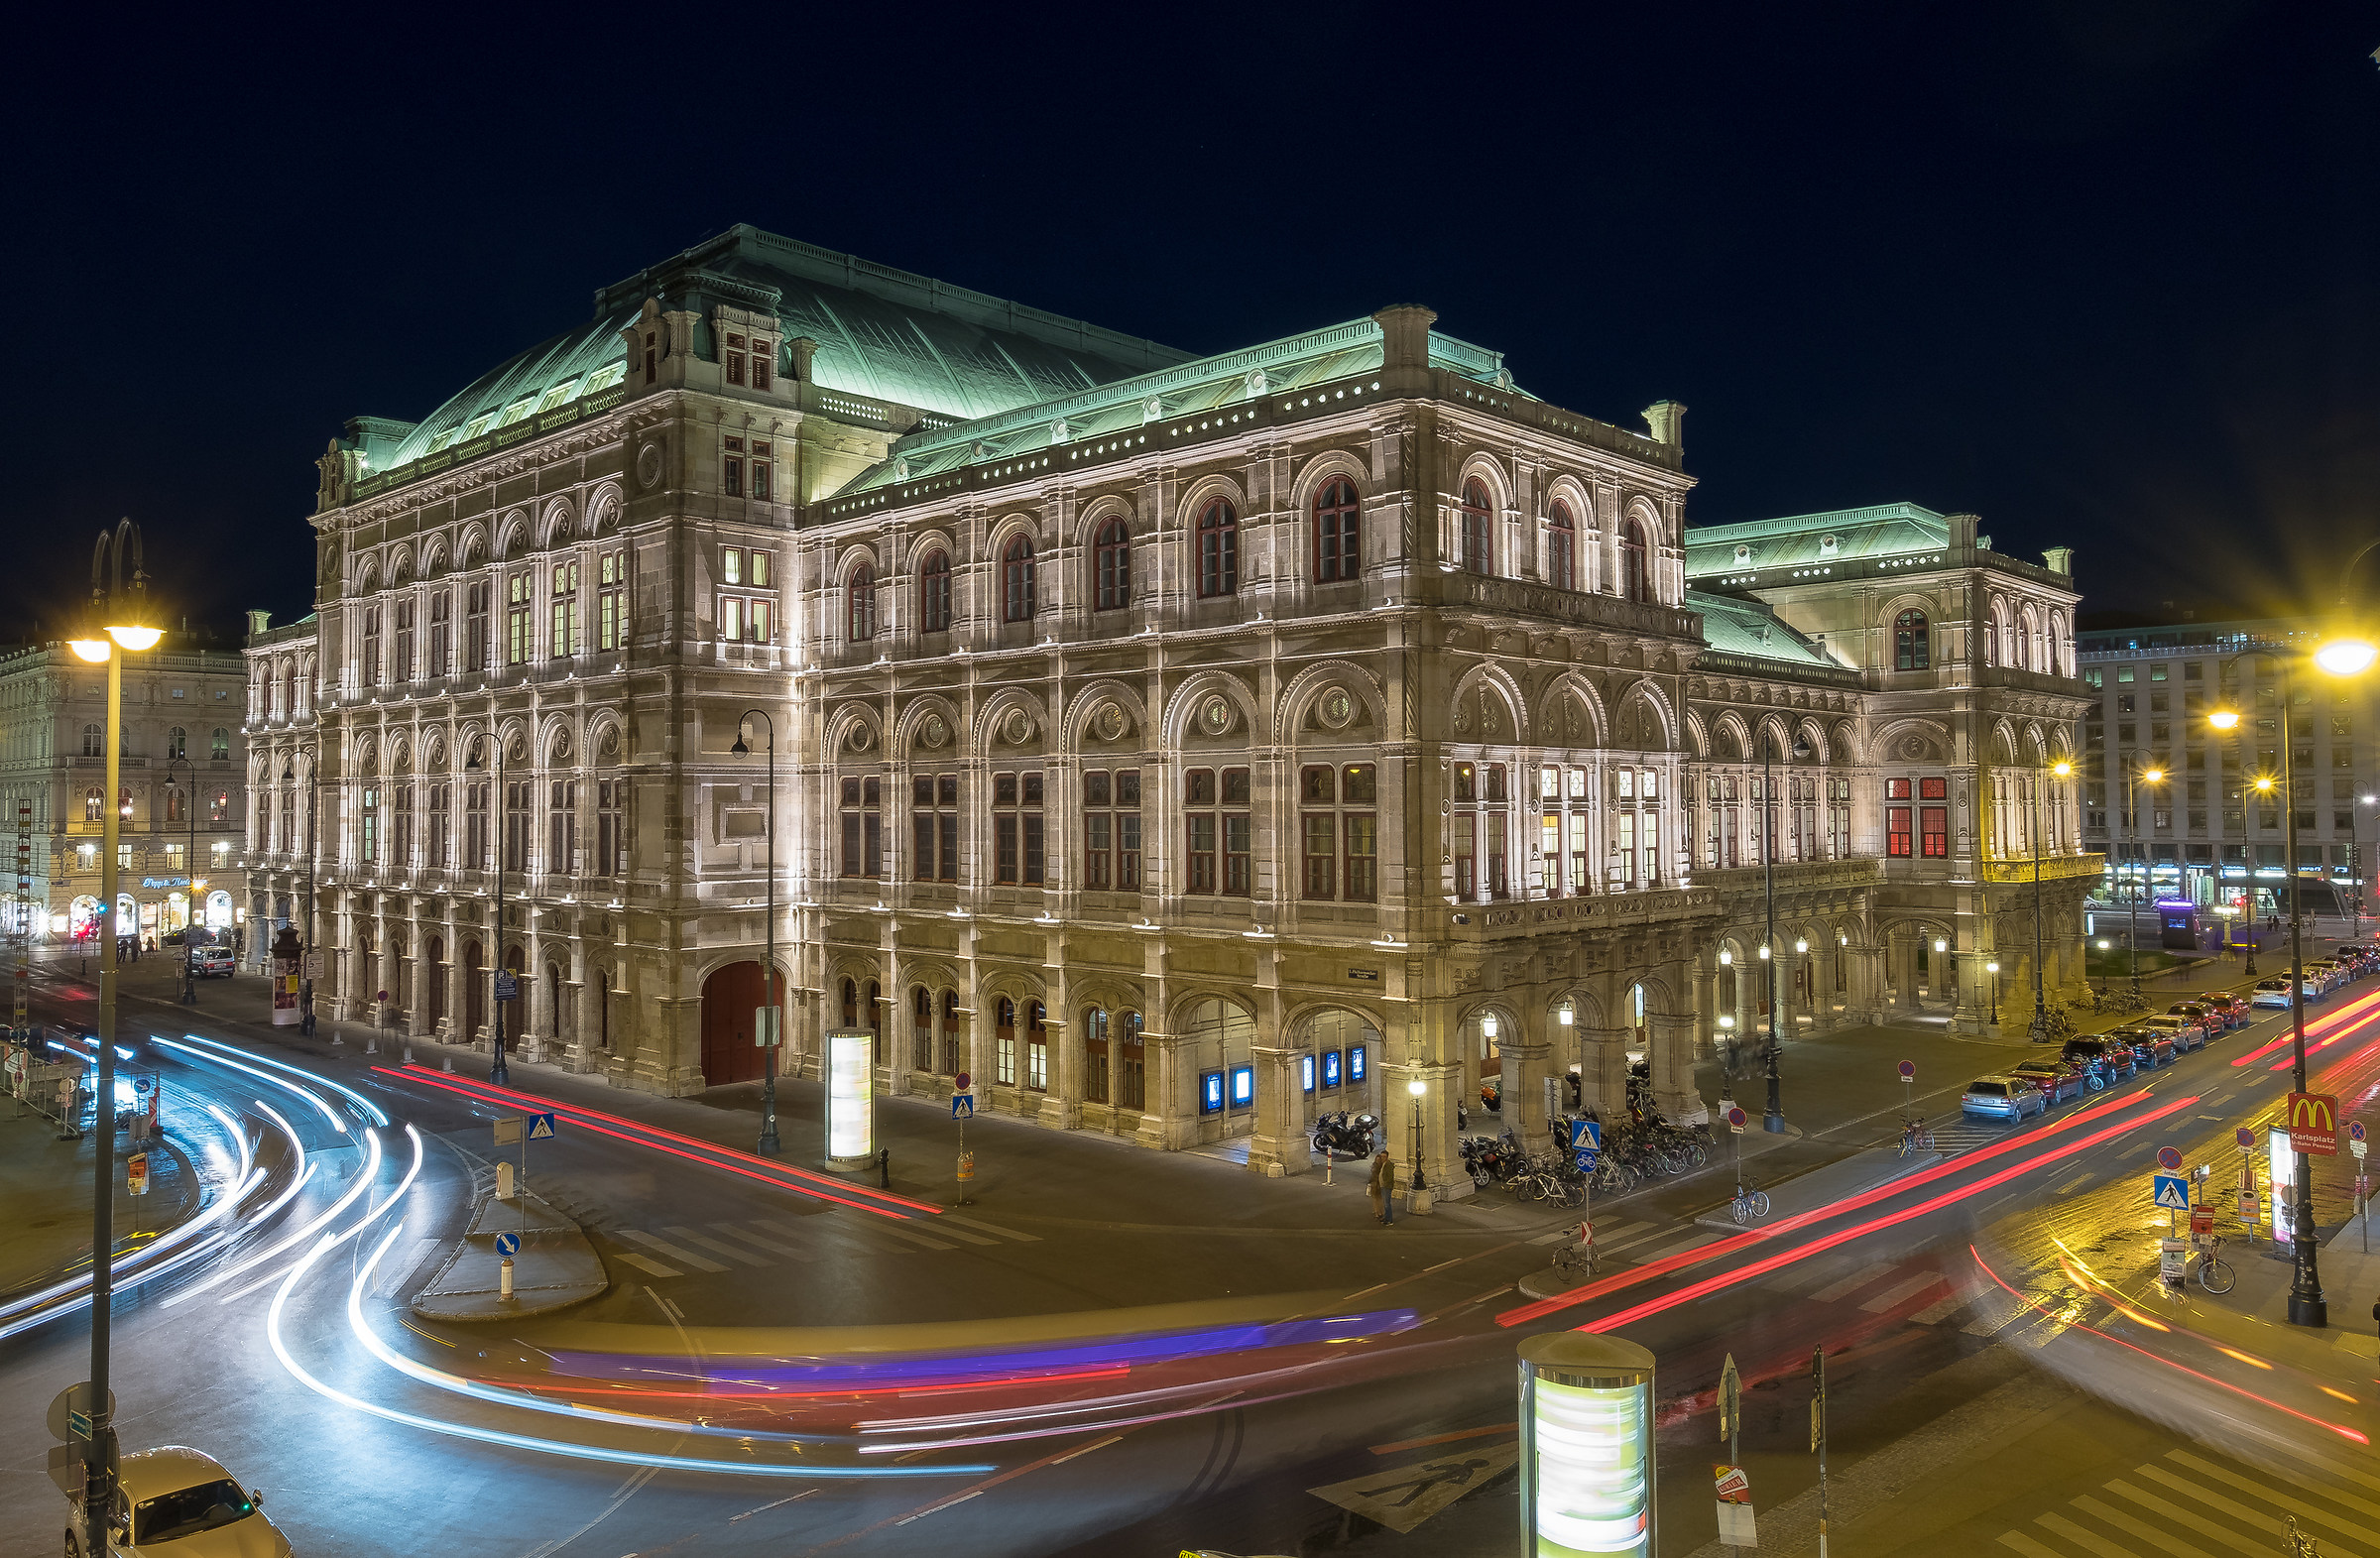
(676, 1248)
(1641, 1242)
(2196, 1503)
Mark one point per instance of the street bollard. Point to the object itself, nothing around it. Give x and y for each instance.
(505, 1292)
(884, 1169)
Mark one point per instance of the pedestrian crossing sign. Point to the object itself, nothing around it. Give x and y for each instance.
(541, 1128)
(2173, 1192)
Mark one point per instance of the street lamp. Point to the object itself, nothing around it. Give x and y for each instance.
(2150, 775)
(2041, 1011)
(2340, 656)
(1417, 1087)
(1993, 969)
(117, 623)
(770, 1025)
(1942, 945)
(498, 1072)
(1774, 1117)
(189, 918)
(313, 792)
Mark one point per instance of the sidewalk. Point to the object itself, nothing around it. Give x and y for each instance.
(553, 1267)
(45, 1185)
(2256, 1313)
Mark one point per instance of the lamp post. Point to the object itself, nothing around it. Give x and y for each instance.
(2132, 883)
(772, 1016)
(1417, 1087)
(1774, 1117)
(1941, 948)
(117, 623)
(2339, 657)
(2041, 1011)
(2356, 851)
(306, 965)
(189, 918)
(1993, 969)
(498, 1072)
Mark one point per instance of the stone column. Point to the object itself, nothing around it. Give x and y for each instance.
(581, 993)
(893, 1017)
(1527, 1055)
(1866, 973)
(1279, 1147)
(1674, 1092)
(386, 978)
(416, 998)
(536, 1023)
(1705, 1002)
(1062, 1105)
(1604, 1072)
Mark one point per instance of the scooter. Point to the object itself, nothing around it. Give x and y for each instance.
(1341, 1136)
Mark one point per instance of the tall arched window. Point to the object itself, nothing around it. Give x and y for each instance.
(1112, 556)
(1479, 549)
(1218, 549)
(1911, 641)
(92, 800)
(1016, 580)
(178, 743)
(1635, 576)
(90, 741)
(933, 593)
(863, 602)
(1338, 532)
(1561, 549)
(219, 745)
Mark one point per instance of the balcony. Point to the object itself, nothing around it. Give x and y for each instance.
(2013, 869)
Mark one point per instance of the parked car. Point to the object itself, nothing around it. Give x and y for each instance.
(2059, 1080)
(2327, 973)
(212, 962)
(2275, 993)
(2003, 1098)
(2210, 1021)
(2150, 1047)
(175, 1500)
(2107, 1060)
(2230, 1001)
(2186, 1034)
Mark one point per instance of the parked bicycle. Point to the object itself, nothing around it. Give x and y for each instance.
(2216, 1274)
(1575, 1260)
(1915, 1138)
(1749, 1205)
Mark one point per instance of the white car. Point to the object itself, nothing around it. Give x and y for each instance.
(2275, 993)
(175, 1502)
(212, 962)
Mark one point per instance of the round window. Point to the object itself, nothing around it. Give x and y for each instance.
(1337, 708)
(1216, 716)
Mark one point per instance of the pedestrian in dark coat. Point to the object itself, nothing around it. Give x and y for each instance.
(1384, 1187)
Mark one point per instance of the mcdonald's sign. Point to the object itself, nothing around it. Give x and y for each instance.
(2314, 1123)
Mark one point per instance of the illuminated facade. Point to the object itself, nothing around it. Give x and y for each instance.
(1180, 745)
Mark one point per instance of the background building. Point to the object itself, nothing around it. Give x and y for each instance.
(1181, 746)
(182, 763)
(2204, 834)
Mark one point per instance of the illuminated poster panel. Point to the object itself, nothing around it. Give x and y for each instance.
(1587, 1447)
(850, 1098)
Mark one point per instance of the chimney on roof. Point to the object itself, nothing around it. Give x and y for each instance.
(256, 623)
(1667, 420)
(1405, 336)
(2061, 560)
(803, 349)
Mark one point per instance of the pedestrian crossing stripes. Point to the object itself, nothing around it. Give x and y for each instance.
(676, 1248)
(2196, 1503)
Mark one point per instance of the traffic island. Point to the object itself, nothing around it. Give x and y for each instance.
(1825, 1187)
(553, 1265)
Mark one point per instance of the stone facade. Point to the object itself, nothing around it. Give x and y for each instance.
(1180, 751)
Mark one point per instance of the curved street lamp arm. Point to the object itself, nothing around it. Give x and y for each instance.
(2346, 575)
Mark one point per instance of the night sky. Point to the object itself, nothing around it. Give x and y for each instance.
(2109, 283)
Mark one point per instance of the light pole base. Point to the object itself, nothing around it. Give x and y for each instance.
(2313, 1312)
(769, 1145)
(500, 1073)
(1773, 1124)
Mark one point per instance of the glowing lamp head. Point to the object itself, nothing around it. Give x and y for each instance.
(2153, 776)
(1940, 945)
(1725, 957)
(2103, 943)
(96, 651)
(2224, 719)
(1567, 1017)
(1727, 1021)
(1992, 967)
(1487, 1025)
(2264, 782)
(2062, 767)
(1800, 945)
(1764, 951)
(1417, 1087)
(134, 636)
(2347, 655)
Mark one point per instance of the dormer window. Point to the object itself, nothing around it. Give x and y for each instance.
(735, 359)
(764, 353)
(1829, 545)
(1743, 554)
(760, 473)
(731, 476)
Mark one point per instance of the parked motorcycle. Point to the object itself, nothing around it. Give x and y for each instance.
(1344, 1135)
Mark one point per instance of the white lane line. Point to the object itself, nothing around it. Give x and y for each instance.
(1857, 1280)
(2213, 1501)
(2079, 1180)
(682, 1257)
(714, 1246)
(733, 1232)
(399, 1270)
(2093, 1542)
(1617, 1245)
(765, 1509)
(1664, 1252)
(902, 1231)
(1899, 1291)
(2160, 1541)
(2026, 1545)
(648, 1267)
(2168, 1509)
(1941, 1309)
(1994, 1313)
(991, 1227)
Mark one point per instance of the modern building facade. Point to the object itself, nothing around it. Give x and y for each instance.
(2203, 833)
(1178, 746)
(181, 794)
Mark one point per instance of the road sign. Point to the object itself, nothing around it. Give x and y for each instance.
(541, 1127)
(2173, 1192)
(962, 1104)
(2354, 1130)
(508, 1244)
(1583, 1159)
(1908, 1070)
(1730, 1400)
(2313, 1124)
(72, 1402)
(79, 1425)
(508, 1130)
(506, 987)
(1403, 1496)
(2169, 1158)
(1586, 1133)
(1736, 1119)
(136, 1174)
(2244, 1137)
(2357, 1147)
(2250, 1208)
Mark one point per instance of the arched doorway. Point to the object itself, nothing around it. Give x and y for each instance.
(1221, 1047)
(564, 1029)
(1337, 1067)
(729, 999)
(603, 1009)
(475, 992)
(436, 953)
(516, 1011)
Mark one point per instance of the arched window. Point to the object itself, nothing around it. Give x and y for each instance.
(90, 741)
(219, 745)
(1911, 643)
(175, 804)
(1635, 578)
(1016, 580)
(933, 593)
(92, 801)
(851, 1004)
(178, 743)
(1479, 546)
(1338, 532)
(863, 602)
(1113, 561)
(1218, 550)
(1561, 549)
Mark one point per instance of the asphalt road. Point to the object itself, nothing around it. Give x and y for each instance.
(2033, 1417)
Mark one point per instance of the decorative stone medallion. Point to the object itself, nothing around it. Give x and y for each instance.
(1108, 723)
(933, 730)
(1336, 709)
(860, 739)
(649, 465)
(1018, 728)
(1216, 717)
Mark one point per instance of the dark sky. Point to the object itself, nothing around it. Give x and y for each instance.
(2103, 274)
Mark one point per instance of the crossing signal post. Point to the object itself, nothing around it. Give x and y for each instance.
(1818, 1436)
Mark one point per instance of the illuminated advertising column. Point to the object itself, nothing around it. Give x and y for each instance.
(850, 1098)
(287, 954)
(1586, 1446)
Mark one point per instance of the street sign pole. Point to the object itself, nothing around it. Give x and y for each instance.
(1818, 1437)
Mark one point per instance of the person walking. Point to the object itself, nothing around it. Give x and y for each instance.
(1384, 1187)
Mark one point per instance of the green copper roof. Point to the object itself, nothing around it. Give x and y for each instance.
(1293, 363)
(1888, 530)
(882, 333)
(1742, 626)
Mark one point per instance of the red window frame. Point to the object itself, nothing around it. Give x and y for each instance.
(1934, 831)
(1896, 832)
(1218, 550)
(1479, 538)
(1338, 532)
(1561, 549)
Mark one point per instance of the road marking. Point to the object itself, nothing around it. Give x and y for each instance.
(2336, 1468)
(1423, 1444)
(733, 1232)
(992, 1228)
(1086, 1449)
(2026, 1545)
(902, 1231)
(1427, 1486)
(922, 1513)
(1899, 1291)
(2079, 1180)
(395, 1278)
(1615, 1246)
(682, 1257)
(2161, 1541)
(1663, 1252)
(765, 1509)
(2134, 1151)
(649, 1267)
(2166, 1509)
(1941, 1309)
(2347, 1534)
(714, 1246)
(1857, 1280)
(1990, 1323)
(2090, 1541)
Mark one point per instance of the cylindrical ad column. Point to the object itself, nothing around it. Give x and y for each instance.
(1587, 1469)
